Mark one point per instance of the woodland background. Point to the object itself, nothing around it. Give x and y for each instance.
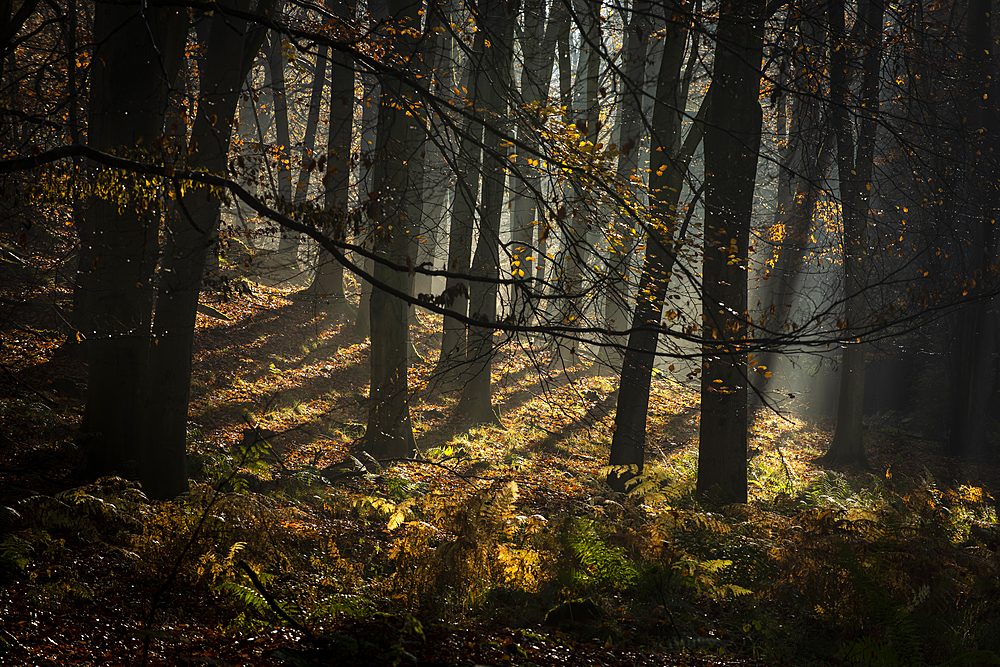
(507, 333)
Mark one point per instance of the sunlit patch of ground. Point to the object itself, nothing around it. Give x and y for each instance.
(265, 360)
(288, 368)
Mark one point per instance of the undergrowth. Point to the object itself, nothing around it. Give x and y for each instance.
(834, 569)
(882, 572)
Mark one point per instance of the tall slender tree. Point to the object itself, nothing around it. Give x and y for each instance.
(668, 168)
(133, 67)
(538, 49)
(328, 284)
(497, 20)
(976, 377)
(732, 145)
(806, 159)
(630, 133)
(855, 160)
(468, 163)
(400, 138)
(190, 234)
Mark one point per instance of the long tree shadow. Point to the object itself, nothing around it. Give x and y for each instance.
(531, 392)
(595, 413)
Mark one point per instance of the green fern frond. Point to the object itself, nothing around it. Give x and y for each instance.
(15, 553)
(653, 485)
(832, 489)
(976, 658)
(867, 652)
(248, 596)
(605, 565)
(340, 604)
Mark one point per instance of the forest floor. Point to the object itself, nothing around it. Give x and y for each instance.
(500, 544)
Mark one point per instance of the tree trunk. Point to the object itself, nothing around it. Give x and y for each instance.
(806, 159)
(732, 144)
(328, 284)
(668, 167)
(576, 249)
(630, 130)
(190, 235)
(286, 259)
(301, 193)
(437, 177)
(390, 432)
(975, 343)
(370, 119)
(468, 161)
(538, 47)
(854, 172)
(128, 98)
(477, 396)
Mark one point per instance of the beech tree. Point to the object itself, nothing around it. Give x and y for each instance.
(669, 160)
(976, 377)
(854, 166)
(399, 141)
(189, 237)
(335, 166)
(128, 98)
(732, 143)
(805, 161)
(498, 24)
(467, 163)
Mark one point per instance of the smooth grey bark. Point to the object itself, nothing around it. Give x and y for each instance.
(437, 178)
(415, 159)
(538, 53)
(370, 119)
(327, 287)
(854, 167)
(400, 136)
(654, 61)
(576, 249)
(477, 395)
(557, 32)
(454, 343)
(189, 236)
(668, 168)
(630, 131)
(732, 145)
(369, 137)
(301, 192)
(248, 132)
(119, 244)
(328, 284)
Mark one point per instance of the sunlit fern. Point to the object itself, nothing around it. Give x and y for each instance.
(600, 564)
(833, 489)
